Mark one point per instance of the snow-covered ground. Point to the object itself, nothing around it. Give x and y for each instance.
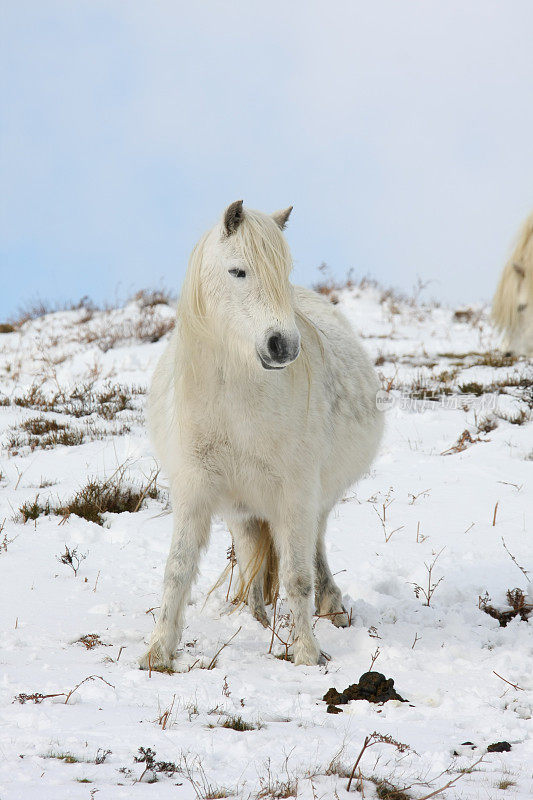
(417, 507)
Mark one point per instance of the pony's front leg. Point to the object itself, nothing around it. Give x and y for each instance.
(295, 543)
(190, 536)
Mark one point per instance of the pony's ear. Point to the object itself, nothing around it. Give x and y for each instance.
(519, 269)
(233, 216)
(281, 217)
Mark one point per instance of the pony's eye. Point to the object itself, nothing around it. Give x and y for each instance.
(237, 273)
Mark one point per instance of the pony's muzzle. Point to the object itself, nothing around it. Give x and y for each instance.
(279, 349)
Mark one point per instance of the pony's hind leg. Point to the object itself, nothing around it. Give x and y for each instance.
(251, 551)
(328, 596)
(190, 536)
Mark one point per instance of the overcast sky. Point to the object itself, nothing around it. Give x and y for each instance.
(402, 133)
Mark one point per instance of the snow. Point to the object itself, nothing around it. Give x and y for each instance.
(443, 657)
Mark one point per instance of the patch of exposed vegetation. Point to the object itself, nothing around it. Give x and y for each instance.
(238, 724)
(505, 783)
(472, 388)
(387, 791)
(100, 497)
(518, 418)
(81, 401)
(67, 758)
(40, 432)
(518, 607)
(147, 298)
(96, 498)
(486, 424)
(484, 359)
(149, 327)
(35, 309)
(464, 441)
(6, 327)
(422, 389)
(33, 509)
(72, 558)
(147, 757)
(91, 640)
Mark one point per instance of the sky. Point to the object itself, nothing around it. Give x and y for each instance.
(401, 132)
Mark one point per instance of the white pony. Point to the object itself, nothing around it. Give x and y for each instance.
(512, 307)
(262, 409)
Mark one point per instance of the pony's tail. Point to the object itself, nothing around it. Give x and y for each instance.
(271, 573)
(266, 557)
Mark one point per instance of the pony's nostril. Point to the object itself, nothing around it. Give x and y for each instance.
(276, 346)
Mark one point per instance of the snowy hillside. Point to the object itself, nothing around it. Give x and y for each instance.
(451, 491)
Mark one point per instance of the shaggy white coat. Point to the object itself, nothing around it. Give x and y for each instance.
(252, 444)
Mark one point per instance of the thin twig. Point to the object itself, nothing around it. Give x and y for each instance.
(146, 490)
(522, 570)
(514, 685)
(218, 652)
(89, 678)
(453, 780)
(358, 759)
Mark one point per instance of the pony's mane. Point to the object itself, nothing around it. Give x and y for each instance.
(261, 244)
(504, 308)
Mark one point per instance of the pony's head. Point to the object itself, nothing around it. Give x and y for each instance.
(237, 290)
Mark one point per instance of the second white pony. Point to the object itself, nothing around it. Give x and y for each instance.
(263, 410)
(512, 308)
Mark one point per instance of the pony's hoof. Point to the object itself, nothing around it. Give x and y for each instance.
(155, 660)
(340, 618)
(261, 617)
(308, 654)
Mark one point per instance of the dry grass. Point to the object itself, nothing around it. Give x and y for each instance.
(40, 432)
(236, 723)
(149, 327)
(464, 441)
(518, 418)
(505, 783)
(81, 401)
(472, 388)
(91, 640)
(33, 509)
(96, 498)
(147, 298)
(99, 497)
(35, 309)
(387, 791)
(518, 607)
(480, 359)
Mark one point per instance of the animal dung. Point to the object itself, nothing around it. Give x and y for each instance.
(499, 747)
(373, 687)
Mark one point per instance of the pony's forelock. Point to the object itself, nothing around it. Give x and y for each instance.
(262, 246)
